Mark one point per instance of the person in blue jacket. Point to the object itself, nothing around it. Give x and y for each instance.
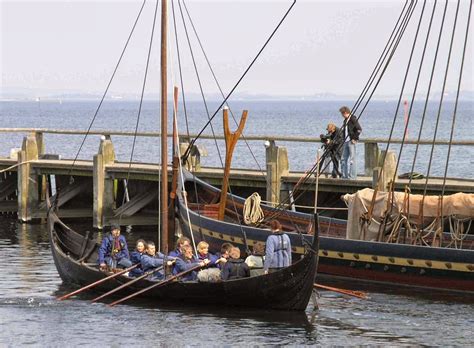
(179, 245)
(113, 251)
(135, 258)
(151, 260)
(185, 261)
(203, 254)
(277, 248)
(235, 268)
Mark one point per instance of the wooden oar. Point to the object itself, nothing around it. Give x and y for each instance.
(354, 293)
(164, 282)
(127, 284)
(64, 297)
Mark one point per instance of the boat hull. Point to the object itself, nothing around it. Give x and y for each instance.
(286, 289)
(399, 264)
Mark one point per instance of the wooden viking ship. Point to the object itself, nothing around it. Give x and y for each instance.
(75, 256)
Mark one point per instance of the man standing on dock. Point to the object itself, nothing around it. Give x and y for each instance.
(351, 130)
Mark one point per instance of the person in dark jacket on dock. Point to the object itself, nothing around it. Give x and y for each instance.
(277, 248)
(179, 245)
(185, 261)
(235, 268)
(135, 258)
(351, 130)
(333, 142)
(113, 251)
(151, 260)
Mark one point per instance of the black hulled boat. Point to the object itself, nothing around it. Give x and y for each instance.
(290, 288)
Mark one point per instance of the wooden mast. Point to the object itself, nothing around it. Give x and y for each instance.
(164, 129)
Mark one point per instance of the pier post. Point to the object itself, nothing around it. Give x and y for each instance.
(103, 186)
(277, 166)
(371, 154)
(27, 181)
(388, 171)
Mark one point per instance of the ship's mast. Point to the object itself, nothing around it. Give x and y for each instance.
(164, 129)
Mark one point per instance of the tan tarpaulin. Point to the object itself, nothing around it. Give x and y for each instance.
(460, 204)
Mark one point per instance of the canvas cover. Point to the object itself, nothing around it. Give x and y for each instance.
(459, 204)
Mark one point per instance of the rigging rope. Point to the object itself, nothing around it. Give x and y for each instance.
(186, 154)
(435, 59)
(108, 86)
(140, 105)
(392, 45)
(457, 98)
(414, 91)
(438, 117)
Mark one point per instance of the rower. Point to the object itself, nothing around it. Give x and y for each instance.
(135, 258)
(235, 268)
(151, 260)
(113, 251)
(256, 260)
(179, 245)
(186, 261)
(277, 249)
(224, 254)
(203, 253)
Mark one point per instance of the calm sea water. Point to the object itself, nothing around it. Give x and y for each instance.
(290, 118)
(30, 314)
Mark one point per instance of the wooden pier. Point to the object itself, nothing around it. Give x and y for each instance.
(95, 188)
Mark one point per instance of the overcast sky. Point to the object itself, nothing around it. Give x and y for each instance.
(322, 47)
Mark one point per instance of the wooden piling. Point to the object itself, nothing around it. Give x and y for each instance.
(277, 166)
(103, 186)
(27, 180)
(371, 156)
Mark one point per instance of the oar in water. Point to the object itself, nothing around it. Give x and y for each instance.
(164, 282)
(354, 293)
(146, 274)
(64, 297)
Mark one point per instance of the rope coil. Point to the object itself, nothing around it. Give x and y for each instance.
(253, 213)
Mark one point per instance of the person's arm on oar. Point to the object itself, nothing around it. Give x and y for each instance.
(95, 283)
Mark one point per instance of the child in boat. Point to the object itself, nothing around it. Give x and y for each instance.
(278, 248)
(179, 244)
(255, 261)
(113, 251)
(135, 258)
(235, 268)
(185, 261)
(151, 260)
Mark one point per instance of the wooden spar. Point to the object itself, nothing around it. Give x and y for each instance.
(164, 129)
(174, 179)
(230, 142)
